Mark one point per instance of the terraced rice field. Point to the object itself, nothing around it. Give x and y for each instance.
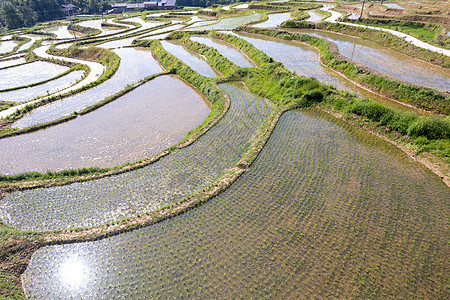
(97, 24)
(387, 61)
(23, 95)
(135, 64)
(227, 50)
(61, 32)
(166, 181)
(274, 20)
(7, 46)
(11, 62)
(29, 73)
(141, 123)
(197, 63)
(324, 212)
(229, 23)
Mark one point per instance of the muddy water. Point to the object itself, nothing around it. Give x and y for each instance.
(135, 64)
(230, 23)
(11, 62)
(303, 60)
(7, 46)
(319, 203)
(197, 63)
(139, 124)
(274, 20)
(50, 87)
(227, 50)
(166, 181)
(387, 61)
(29, 73)
(60, 31)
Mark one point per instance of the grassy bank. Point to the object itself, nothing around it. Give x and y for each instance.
(86, 31)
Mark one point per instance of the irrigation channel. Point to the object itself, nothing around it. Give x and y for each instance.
(166, 181)
(135, 64)
(29, 73)
(130, 134)
(386, 61)
(322, 206)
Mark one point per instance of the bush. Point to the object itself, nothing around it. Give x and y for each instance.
(430, 127)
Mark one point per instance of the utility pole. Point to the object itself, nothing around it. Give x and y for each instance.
(70, 19)
(362, 8)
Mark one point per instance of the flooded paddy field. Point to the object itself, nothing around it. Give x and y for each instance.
(139, 124)
(61, 32)
(227, 50)
(11, 62)
(386, 61)
(324, 212)
(274, 20)
(314, 17)
(44, 89)
(135, 65)
(32, 38)
(196, 62)
(166, 181)
(29, 73)
(97, 24)
(7, 46)
(229, 23)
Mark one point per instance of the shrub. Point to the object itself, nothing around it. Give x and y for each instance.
(430, 127)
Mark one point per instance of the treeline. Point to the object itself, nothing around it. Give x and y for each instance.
(24, 13)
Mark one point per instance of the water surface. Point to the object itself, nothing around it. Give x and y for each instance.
(227, 50)
(45, 89)
(97, 24)
(197, 63)
(7, 46)
(61, 32)
(166, 181)
(135, 64)
(139, 124)
(320, 204)
(11, 62)
(29, 73)
(314, 17)
(229, 23)
(274, 20)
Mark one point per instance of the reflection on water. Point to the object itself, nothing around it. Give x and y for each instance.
(145, 24)
(393, 5)
(50, 87)
(29, 73)
(139, 124)
(228, 51)
(27, 45)
(196, 63)
(317, 203)
(274, 20)
(166, 181)
(135, 64)
(387, 61)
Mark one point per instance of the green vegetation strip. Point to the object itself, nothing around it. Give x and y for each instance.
(421, 97)
(22, 40)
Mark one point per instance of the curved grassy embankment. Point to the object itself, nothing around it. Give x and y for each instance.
(86, 31)
(425, 98)
(21, 41)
